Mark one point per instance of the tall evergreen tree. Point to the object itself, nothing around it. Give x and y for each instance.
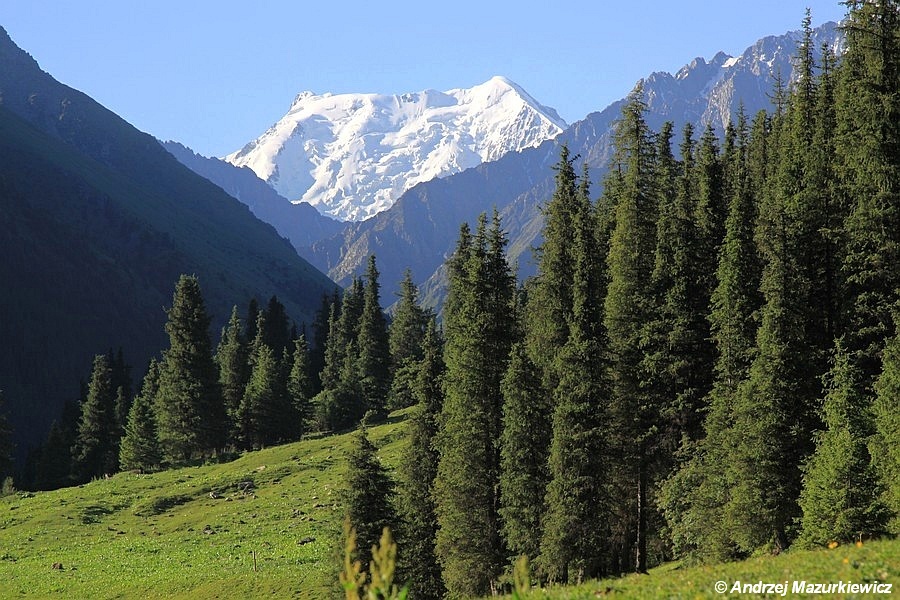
(694, 497)
(374, 348)
(629, 307)
(190, 408)
(140, 449)
(406, 333)
(265, 408)
(368, 496)
(96, 451)
(550, 295)
(300, 387)
(477, 321)
(418, 470)
(524, 445)
(575, 537)
(868, 159)
(840, 497)
(885, 445)
(234, 372)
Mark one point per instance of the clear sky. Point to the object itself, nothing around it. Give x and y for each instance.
(215, 74)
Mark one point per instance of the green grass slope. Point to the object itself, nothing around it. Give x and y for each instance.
(191, 532)
(872, 561)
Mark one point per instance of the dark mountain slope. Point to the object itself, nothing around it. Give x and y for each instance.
(97, 222)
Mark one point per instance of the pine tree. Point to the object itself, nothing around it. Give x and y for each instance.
(233, 362)
(95, 451)
(53, 462)
(576, 525)
(300, 388)
(693, 498)
(417, 472)
(868, 160)
(550, 294)
(276, 331)
(190, 408)
(368, 496)
(120, 377)
(679, 358)
(840, 496)
(885, 445)
(264, 408)
(478, 329)
(140, 449)
(523, 455)
(408, 326)
(374, 350)
(320, 338)
(406, 333)
(629, 307)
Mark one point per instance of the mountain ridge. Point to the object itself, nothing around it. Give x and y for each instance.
(352, 155)
(702, 92)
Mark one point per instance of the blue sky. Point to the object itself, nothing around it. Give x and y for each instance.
(214, 75)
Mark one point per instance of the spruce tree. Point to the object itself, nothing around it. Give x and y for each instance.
(374, 349)
(628, 309)
(550, 294)
(868, 159)
(885, 445)
(418, 469)
(96, 453)
(524, 445)
(693, 498)
(575, 537)
(300, 389)
(140, 449)
(233, 362)
(478, 329)
(264, 408)
(840, 497)
(406, 333)
(368, 495)
(190, 408)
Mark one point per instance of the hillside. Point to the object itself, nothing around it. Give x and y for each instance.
(192, 532)
(98, 221)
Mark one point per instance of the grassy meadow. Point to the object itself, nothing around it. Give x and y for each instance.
(267, 524)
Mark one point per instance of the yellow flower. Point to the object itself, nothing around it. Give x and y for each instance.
(859, 544)
(832, 545)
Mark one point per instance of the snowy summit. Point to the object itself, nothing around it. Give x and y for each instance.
(352, 155)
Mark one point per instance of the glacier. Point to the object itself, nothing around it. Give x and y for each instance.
(352, 155)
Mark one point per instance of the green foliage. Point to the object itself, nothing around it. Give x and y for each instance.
(368, 495)
(299, 390)
(139, 449)
(265, 409)
(96, 446)
(417, 472)
(374, 349)
(478, 331)
(380, 585)
(885, 447)
(190, 409)
(232, 359)
(524, 447)
(841, 496)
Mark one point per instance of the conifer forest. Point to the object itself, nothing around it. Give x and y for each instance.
(706, 366)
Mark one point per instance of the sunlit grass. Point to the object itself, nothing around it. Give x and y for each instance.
(266, 524)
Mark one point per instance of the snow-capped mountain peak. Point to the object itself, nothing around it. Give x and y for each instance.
(352, 155)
